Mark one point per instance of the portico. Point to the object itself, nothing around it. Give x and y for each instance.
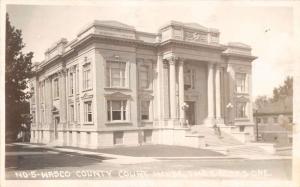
(179, 94)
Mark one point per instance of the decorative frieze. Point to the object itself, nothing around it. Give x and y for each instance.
(194, 36)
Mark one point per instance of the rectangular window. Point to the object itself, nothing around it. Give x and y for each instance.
(118, 137)
(88, 114)
(241, 110)
(258, 120)
(42, 115)
(72, 113)
(275, 120)
(33, 116)
(70, 138)
(189, 79)
(33, 95)
(77, 79)
(241, 83)
(87, 77)
(145, 110)
(147, 136)
(88, 138)
(78, 112)
(144, 77)
(78, 138)
(55, 88)
(71, 83)
(265, 120)
(115, 74)
(116, 110)
(42, 87)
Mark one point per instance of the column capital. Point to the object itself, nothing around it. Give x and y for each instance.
(171, 60)
(62, 72)
(181, 61)
(72, 69)
(48, 78)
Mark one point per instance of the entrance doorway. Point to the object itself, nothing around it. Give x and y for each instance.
(56, 122)
(190, 113)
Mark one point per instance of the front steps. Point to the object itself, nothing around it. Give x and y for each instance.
(212, 138)
(226, 144)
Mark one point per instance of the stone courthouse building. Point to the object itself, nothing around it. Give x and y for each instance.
(114, 85)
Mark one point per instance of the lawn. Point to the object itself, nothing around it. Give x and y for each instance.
(155, 151)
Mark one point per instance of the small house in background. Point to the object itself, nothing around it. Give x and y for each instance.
(274, 121)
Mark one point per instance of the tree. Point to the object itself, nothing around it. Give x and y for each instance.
(283, 91)
(261, 101)
(18, 68)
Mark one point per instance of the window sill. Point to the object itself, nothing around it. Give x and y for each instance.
(190, 90)
(118, 122)
(74, 123)
(242, 93)
(57, 98)
(88, 123)
(118, 88)
(242, 119)
(88, 89)
(146, 121)
(145, 89)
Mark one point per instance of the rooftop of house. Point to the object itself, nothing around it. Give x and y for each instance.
(283, 106)
(273, 128)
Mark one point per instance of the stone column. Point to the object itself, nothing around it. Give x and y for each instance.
(181, 91)
(172, 81)
(160, 91)
(218, 95)
(210, 94)
(49, 102)
(62, 95)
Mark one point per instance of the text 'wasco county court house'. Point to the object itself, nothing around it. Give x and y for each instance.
(114, 85)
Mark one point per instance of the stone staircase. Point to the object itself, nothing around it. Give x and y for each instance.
(212, 138)
(226, 143)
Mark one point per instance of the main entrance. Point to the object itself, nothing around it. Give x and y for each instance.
(190, 113)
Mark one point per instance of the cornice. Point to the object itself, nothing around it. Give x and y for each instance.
(239, 56)
(218, 47)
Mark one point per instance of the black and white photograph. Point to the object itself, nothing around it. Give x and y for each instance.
(198, 93)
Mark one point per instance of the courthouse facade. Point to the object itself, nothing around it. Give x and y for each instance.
(114, 85)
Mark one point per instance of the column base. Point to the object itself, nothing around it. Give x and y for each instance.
(209, 121)
(173, 123)
(183, 122)
(220, 121)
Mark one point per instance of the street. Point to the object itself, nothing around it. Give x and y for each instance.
(26, 162)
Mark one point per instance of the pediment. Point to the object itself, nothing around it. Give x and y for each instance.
(87, 96)
(55, 110)
(117, 95)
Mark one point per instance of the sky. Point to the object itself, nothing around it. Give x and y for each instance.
(267, 29)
